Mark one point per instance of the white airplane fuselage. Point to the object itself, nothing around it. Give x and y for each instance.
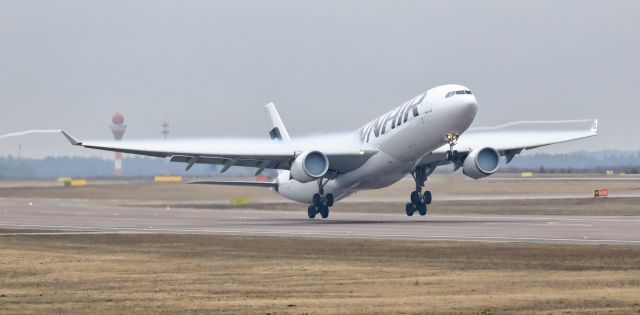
(402, 136)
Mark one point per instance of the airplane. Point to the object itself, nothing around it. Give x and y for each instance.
(428, 131)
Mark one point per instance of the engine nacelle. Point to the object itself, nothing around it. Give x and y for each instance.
(309, 166)
(481, 163)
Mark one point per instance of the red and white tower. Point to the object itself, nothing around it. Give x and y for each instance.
(118, 128)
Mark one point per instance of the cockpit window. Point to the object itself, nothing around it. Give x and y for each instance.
(461, 92)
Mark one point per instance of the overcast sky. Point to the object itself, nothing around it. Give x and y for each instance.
(208, 67)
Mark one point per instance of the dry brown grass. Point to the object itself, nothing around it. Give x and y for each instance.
(240, 275)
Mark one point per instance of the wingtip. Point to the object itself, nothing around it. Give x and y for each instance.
(594, 127)
(71, 139)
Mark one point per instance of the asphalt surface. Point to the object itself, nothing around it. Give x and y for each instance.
(78, 216)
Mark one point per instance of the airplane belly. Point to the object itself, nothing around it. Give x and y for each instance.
(303, 192)
(379, 171)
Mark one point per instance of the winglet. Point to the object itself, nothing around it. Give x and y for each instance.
(594, 127)
(71, 139)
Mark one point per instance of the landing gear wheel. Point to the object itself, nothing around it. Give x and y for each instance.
(329, 200)
(317, 200)
(324, 211)
(426, 198)
(415, 198)
(420, 200)
(410, 208)
(422, 209)
(321, 201)
(312, 211)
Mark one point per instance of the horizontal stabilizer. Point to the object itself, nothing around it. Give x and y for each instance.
(235, 183)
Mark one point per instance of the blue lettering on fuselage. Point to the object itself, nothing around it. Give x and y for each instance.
(397, 116)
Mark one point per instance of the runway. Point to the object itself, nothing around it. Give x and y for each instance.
(90, 217)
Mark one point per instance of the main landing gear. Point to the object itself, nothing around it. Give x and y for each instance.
(320, 202)
(420, 200)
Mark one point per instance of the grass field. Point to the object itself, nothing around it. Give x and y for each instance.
(246, 275)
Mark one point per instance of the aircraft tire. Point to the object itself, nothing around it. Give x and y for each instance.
(324, 212)
(317, 200)
(410, 208)
(422, 209)
(415, 198)
(427, 198)
(312, 211)
(329, 200)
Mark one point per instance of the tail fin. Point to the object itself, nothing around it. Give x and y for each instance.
(278, 131)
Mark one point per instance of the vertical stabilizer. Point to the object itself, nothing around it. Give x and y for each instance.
(278, 131)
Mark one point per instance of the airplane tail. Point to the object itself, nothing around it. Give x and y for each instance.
(278, 131)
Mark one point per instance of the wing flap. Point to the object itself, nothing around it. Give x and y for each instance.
(232, 161)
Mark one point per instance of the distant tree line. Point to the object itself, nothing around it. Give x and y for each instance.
(578, 162)
(93, 167)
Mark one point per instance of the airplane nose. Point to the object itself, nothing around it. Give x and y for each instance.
(459, 112)
(467, 105)
(471, 105)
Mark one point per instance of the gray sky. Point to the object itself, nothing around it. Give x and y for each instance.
(209, 66)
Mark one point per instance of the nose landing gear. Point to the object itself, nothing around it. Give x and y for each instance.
(452, 139)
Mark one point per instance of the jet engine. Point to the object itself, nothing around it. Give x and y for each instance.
(309, 166)
(481, 163)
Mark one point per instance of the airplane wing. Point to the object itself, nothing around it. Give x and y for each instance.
(344, 153)
(513, 138)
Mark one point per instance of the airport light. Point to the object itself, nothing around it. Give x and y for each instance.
(165, 129)
(117, 129)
